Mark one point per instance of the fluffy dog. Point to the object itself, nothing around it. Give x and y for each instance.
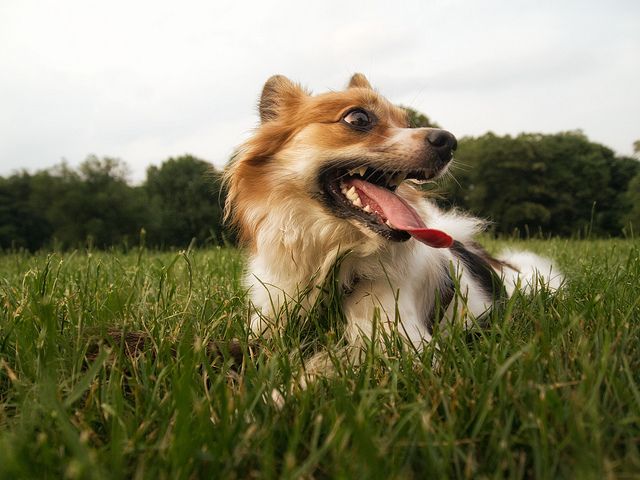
(336, 176)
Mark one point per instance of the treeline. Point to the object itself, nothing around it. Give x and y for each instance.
(561, 184)
(179, 202)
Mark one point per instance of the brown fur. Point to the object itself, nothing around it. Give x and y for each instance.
(285, 109)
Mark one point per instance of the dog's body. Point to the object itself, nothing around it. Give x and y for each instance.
(329, 176)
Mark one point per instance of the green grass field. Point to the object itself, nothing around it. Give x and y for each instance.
(550, 390)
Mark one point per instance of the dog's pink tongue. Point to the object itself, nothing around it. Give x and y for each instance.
(401, 215)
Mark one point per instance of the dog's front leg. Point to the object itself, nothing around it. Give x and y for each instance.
(374, 317)
(273, 307)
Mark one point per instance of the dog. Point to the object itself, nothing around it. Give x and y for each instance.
(337, 176)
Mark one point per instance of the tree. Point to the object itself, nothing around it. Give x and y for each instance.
(22, 223)
(94, 204)
(418, 120)
(632, 198)
(560, 183)
(185, 198)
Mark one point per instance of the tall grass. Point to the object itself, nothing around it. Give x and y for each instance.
(551, 388)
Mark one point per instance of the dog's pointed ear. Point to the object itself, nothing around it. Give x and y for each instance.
(278, 93)
(359, 81)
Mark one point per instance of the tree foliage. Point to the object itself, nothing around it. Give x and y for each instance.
(632, 199)
(95, 205)
(23, 222)
(185, 195)
(418, 119)
(560, 184)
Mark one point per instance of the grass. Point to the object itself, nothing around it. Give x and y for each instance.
(550, 390)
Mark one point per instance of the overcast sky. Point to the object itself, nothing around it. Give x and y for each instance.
(146, 80)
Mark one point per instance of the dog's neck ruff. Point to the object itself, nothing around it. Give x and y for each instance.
(398, 213)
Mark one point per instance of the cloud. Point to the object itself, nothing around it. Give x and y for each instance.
(147, 80)
(521, 71)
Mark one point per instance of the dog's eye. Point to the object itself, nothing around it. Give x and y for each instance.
(358, 118)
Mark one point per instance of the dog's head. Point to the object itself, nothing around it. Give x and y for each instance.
(341, 156)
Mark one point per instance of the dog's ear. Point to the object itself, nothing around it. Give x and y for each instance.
(278, 93)
(359, 81)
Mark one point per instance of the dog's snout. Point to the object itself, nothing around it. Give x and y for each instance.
(443, 142)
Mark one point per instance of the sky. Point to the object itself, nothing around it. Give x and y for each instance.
(147, 80)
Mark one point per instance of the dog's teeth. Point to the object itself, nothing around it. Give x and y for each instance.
(388, 223)
(351, 193)
(367, 209)
(357, 171)
(397, 179)
(357, 202)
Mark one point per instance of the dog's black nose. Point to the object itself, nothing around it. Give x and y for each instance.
(443, 142)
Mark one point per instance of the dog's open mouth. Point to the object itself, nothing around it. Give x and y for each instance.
(367, 195)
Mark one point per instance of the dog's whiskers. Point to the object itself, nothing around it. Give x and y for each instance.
(462, 166)
(453, 177)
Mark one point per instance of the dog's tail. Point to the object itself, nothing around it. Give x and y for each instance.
(529, 272)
